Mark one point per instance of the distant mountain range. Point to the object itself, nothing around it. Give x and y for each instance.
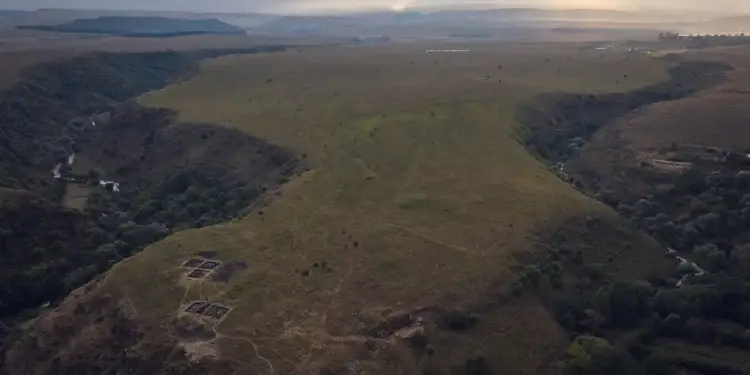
(379, 22)
(422, 22)
(141, 26)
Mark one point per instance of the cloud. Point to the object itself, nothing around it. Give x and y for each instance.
(319, 5)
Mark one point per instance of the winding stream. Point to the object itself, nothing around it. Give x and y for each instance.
(698, 271)
(57, 175)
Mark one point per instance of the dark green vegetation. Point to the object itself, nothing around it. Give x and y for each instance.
(141, 26)
(696, 318)
(43, 252)
(173, 176)
(178, 175)
(558, 125)
(36, 113)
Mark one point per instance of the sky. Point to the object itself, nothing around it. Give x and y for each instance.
(303, 6)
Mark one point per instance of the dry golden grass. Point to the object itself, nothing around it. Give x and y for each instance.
(419, 196)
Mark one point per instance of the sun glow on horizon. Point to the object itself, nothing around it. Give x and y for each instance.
(399, 7)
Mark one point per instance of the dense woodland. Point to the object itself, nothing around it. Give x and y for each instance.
(36, 113)
(693, 318)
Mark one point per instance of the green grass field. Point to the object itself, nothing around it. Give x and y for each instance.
(419, 195)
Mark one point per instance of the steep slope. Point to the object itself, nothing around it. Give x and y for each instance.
(401, 251)
(37, 111)
(40, 244)
(677, 169)
(169, 182)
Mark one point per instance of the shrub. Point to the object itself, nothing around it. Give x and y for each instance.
(477, 366)
(589, 355)
(459, 320)
(530, 276)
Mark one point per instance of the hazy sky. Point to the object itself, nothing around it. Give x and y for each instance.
(317, 5)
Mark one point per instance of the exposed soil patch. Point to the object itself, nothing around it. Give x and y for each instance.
(197, 307)
(209, 265)
(208, 310)
(193, 263)
(217, 312)
(76, 196)
(225, 272)
(191, 330)
(197, 274)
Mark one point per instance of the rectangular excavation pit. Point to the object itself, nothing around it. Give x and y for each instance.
(225, 272)
(209, 265)
(215, 311)
(197, 274)
(197, 307)
(193, 263)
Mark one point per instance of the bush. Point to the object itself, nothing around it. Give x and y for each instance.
(657, 366)
(477, 366)
(624, 302)
(594, 271)
(589, 355)
(459, 320)
(530, 276)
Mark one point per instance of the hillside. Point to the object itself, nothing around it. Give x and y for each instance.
(57, 114)
(676, 169)
(411, 246)
(140, 26)
(37, 111)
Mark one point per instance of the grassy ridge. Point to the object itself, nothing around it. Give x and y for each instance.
(420, 195)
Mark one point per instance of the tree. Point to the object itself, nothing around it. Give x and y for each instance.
(178, 182)
(702, 252)
(690, 236)
(709, 224)
(697, 207)
(477, 366)
(739, 261)
(624, 302)
(717, 261)
(93, 177)
(140, 235)
(589, 355)
(657, 366)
